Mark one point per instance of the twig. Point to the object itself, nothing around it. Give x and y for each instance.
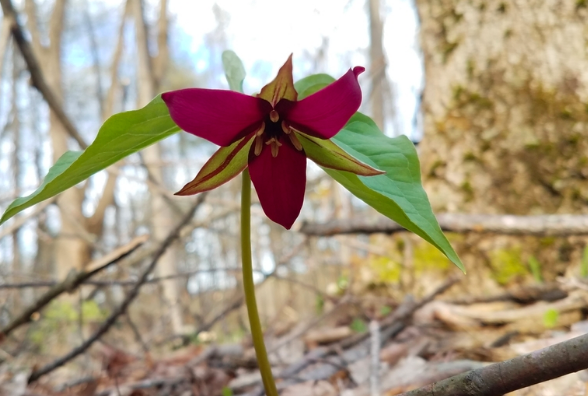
(375, 358)
(542, 225)
(20, 221)
(115, 282)
(36, 72)
(35, 375)
(390, 326)
(72, 281)
(137, 334)
(500, 378)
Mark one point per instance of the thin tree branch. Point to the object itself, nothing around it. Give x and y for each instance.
(500, 378)
(108, 107)
(131, 295)
(37, 73)
(114, 282)
(541, 225)
(20, 221)
(72, 281)
(56, 24)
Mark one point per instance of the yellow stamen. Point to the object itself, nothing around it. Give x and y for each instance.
(274, 116)
(286, 128)
(258, 145)
(261, 129)
(295, 141)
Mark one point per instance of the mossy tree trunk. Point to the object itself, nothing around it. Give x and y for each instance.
(506, 110)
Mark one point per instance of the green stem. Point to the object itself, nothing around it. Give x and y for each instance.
(249, 286)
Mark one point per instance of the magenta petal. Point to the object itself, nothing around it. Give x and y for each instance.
(325, 112)
(221, 117)
(280, 182)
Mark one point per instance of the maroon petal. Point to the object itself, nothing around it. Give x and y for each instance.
(325, 112)
(280, 182)
(219, 116)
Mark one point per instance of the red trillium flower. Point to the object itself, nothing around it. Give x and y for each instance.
(272, 133)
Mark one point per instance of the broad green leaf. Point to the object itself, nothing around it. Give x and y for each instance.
(225, 164)
(121, 135)
(398, 194)
(327, 154)
(311, 84)
(234, 70)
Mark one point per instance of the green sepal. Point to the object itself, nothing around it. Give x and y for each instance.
(234, 70)
(328, 155)
(225, 163)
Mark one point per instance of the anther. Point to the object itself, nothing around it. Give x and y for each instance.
(286, 128)
(274, 116)
(258, 145)
(261, 129)
(295, 141)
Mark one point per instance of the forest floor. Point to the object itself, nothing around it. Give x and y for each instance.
(418, 342)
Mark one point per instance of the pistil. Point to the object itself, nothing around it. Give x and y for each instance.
(274, 145)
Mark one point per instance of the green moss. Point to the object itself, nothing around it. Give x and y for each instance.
(566, 114)
(547, 241)
(581, 4)
(469, 156)
(468, 190)
(427, 257)
(502, 8)
(470, 68)
(464, 98)
(507, 265)
(61, 318)
(448, 48)
(387, 270)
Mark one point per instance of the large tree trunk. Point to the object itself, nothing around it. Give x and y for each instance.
(74, 243)
(71, 250)
(149, 74)
(505, 113)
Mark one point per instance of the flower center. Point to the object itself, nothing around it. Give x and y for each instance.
(271, 131)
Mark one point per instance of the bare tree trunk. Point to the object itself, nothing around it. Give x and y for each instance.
(150, 73)
(71, 251)
(381, 92)
(73, 246)
(505, 118)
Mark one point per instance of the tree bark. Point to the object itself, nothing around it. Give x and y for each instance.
(380, 89)
(149, 74)
(71, 251)
(505, 121)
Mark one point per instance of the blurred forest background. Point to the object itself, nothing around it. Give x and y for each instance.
(495, 94)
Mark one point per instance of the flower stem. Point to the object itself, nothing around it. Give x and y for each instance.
(249, 286)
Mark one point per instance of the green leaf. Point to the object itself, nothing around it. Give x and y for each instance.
(398, 194)
(234, 70)
(225, 163)
(121, 135)
(311, 84)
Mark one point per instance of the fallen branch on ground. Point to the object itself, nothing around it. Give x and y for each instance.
(500, 378)
(542, 225)
(131, 295)
(72, 281)
(352, 348)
